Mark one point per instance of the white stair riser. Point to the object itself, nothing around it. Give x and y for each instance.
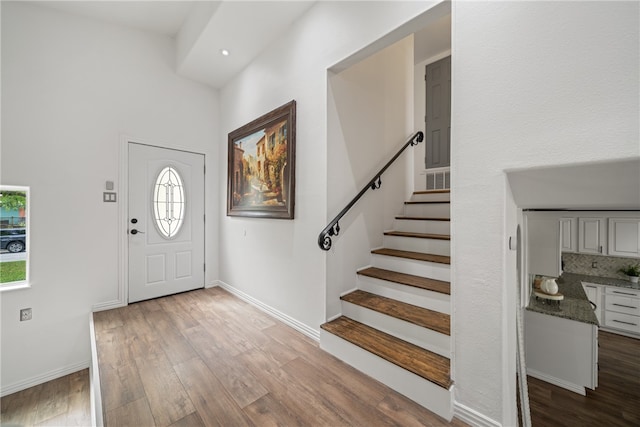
(422, 226)
(425, 393)
(417, 335)
(438, 210)
(411, 295)
(431, 270)
(433, 197)
(415, 244)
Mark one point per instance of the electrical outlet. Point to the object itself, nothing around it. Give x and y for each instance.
(25, 314)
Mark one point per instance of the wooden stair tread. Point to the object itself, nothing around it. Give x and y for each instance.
(440, 259)
(428, 202)
(419, 316)
(422, 218)
(443, 190)
(408, 280)
(418, 235)
(426, 364)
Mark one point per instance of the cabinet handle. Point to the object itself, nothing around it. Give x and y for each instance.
(626, 323)
(623, 293)
(622, 305)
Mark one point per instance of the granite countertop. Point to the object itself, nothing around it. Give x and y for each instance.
(574, 306)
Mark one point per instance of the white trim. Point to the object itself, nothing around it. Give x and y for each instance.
(43, 378)
(108, 305)
(347, 292)
(332, 318)
(211, 284)
(94, 380)
(473, 417)
(123, 253)
(556, 381)
(363, 268)
(288, 320)
(22, 284)
(435, 58)
(15, 286)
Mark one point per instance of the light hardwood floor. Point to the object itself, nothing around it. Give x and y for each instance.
(60, 402)
(207, 358)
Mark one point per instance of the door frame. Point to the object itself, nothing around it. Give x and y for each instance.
(122, 298)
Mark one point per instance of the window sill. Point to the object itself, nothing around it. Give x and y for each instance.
(14, 286)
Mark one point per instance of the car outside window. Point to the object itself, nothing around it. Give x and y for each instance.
(14, 233)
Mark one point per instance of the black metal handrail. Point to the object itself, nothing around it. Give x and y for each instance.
(333, 228)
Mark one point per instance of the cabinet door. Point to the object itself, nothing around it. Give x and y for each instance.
(543, 246)
(592, 236)
(624, 237)
(569, 234)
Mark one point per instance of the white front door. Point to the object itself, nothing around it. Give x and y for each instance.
(166, 221)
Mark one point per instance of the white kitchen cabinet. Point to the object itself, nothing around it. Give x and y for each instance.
(594, 295)
(622, 310)
(561, 351)
(624, 237)
(543, 244)
(569, 234)
(592, 236)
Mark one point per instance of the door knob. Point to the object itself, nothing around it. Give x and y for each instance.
(134, 231)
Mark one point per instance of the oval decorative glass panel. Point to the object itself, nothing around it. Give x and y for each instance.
(168, 202)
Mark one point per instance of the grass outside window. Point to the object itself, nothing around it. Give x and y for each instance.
(13, 271)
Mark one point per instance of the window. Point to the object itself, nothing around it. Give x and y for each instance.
(168, 202)
(14, 233)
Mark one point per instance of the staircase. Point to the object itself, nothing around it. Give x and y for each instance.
(395, 326)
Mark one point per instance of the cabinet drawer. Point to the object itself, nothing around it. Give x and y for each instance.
(622, 321)
(621, 304)
(625, 292)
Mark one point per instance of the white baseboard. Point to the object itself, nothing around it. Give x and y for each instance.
(108, 305)
(43, 378)
(332, 318)
(290, 321)
(94, 380)
(211, 284)
(557, 381)
(473, 417)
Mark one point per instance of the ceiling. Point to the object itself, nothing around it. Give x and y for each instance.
(160, 17)
(201, 28)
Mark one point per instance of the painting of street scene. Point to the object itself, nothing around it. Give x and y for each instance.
(260, 168)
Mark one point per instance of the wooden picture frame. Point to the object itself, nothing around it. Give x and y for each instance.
(261, 166)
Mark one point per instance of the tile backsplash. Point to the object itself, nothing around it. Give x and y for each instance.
(607, 266)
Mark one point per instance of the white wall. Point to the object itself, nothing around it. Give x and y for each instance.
(279, 262)
(369, 118)
(70, 88)
(534, 83)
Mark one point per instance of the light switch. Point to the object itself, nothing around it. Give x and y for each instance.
(108, 196)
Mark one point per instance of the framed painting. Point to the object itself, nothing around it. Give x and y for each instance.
(261, 166)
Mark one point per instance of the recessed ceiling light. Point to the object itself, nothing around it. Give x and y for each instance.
(224, 52)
